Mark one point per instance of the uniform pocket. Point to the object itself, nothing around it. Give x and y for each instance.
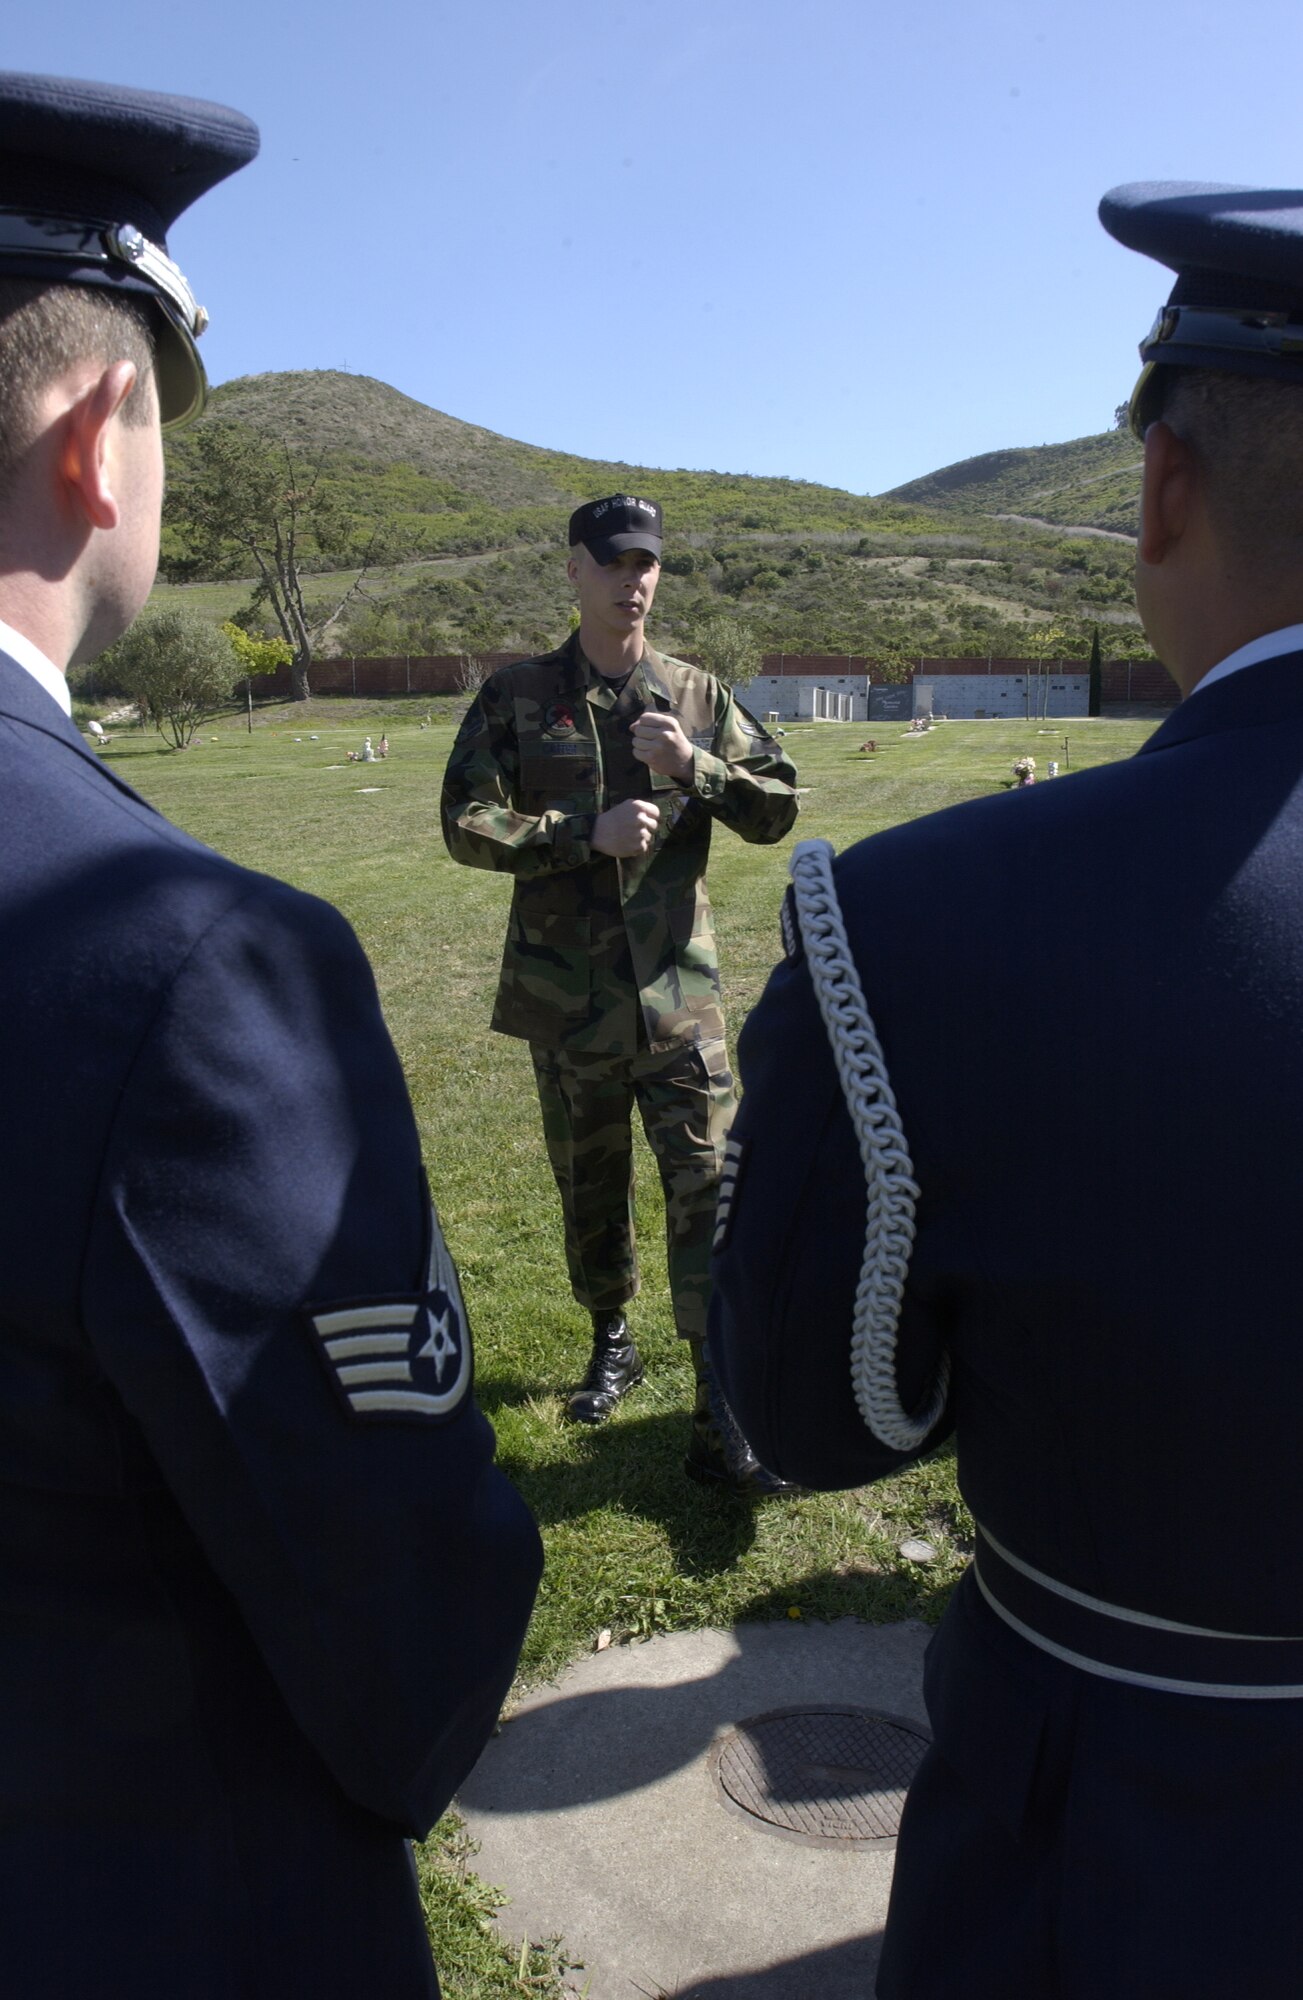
(547, 962)
(561, 777)
(552, 914)
(692, 931)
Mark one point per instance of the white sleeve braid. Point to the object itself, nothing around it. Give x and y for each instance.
(888, 1169)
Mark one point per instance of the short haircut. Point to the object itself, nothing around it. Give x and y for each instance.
(47, 328)
(1247, 433)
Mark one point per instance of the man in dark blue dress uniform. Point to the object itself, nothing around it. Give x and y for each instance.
(1100, 1302)
(261, 1588)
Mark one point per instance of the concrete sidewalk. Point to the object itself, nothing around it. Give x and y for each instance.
(598, 1813)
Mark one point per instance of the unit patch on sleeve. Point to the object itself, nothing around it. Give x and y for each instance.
(401, 1357)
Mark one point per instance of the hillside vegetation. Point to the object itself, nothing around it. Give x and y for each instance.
(965, 561)
(1093, 482)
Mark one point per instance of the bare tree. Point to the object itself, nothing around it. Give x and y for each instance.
(470, 675)
(239, 501)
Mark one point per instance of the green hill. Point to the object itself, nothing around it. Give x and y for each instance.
(357, 425)
(960, 562)
(357, 418)
(1091, 482)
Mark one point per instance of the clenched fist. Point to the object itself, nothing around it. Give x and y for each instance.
(626, 829)
(659, 742)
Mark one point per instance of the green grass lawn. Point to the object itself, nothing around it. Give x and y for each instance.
(631, 1544)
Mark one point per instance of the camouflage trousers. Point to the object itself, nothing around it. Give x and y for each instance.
(686, 1100)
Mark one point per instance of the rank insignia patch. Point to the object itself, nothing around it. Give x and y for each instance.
(789, 926)
(408, 1357)
(728, 1181)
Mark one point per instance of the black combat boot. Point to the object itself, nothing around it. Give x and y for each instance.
(718, 1454)
(613, 1370)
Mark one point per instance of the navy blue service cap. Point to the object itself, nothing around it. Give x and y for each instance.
(92, 177)
(1237, 304)
(608, 527)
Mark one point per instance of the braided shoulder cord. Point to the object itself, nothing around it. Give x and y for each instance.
(888, 1169)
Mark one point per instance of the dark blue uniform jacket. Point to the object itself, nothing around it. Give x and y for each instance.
(253, 1631)
(1090, 1000)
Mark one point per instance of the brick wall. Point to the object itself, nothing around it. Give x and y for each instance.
(1138, 680)
(431, 673)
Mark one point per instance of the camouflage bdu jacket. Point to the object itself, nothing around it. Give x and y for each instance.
(594, 941)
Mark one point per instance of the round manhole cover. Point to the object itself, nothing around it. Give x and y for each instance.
(821, 1773)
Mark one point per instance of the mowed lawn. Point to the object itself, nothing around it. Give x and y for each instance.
(633, 1547)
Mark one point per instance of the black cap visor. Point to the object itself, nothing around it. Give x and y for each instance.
(118, 259)
(605, 549)
(1232, 340)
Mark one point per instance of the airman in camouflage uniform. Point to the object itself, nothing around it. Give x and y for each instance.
(593, 775)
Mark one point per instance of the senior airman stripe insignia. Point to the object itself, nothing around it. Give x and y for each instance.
(401, 1357)
(789, 928)
(728, 1180)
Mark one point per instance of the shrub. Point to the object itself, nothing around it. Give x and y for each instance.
(178, 668)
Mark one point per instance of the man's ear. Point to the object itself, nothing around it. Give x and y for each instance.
(1166, 492)
(86, 460)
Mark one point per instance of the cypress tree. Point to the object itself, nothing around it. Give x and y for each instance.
(1096, 677)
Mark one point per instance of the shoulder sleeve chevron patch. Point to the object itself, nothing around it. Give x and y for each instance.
(404, 1356)
(728, 1180)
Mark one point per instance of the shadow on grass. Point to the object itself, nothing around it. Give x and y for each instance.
(497, 1392)
(636, 1464)
(873, 1599)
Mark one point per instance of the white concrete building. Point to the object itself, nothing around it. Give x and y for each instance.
(850, 698)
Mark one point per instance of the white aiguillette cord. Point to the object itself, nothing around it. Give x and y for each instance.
(888, 1169)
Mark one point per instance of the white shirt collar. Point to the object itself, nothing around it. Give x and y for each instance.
(1289, 639)
(25, 654)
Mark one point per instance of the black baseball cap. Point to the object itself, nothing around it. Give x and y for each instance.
(608, 527)
(92, 176)
(1237, 304)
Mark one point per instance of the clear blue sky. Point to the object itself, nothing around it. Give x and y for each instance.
(829, 239)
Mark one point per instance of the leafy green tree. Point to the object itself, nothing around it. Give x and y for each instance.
(1044, 643)
(1128, 642)
(726, 648)
(178, 669)
(895, 661)
(258, 656)
(403, 625)
(238, 501)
